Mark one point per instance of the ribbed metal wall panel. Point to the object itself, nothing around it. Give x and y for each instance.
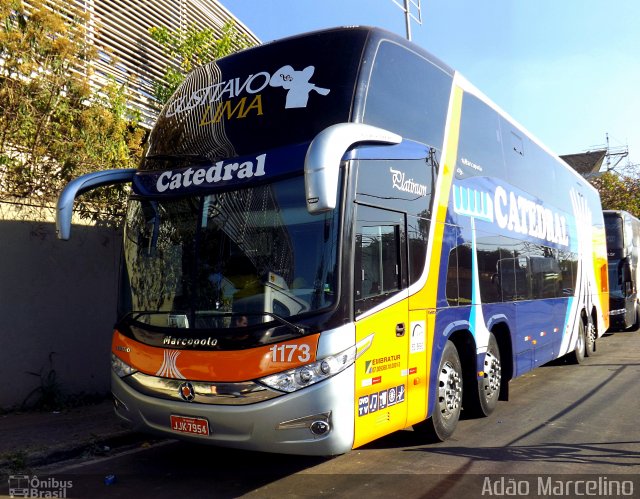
(127, 52)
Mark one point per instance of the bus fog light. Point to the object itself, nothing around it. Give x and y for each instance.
(318, 424)
(319, 428)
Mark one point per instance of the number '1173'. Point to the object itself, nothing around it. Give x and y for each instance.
(290, 353)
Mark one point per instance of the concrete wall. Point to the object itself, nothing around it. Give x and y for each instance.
(55, 296)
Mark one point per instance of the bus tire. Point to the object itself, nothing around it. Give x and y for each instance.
(590, 340)
(441, 425)
(636, 325)
(577, 356)
(485, 399)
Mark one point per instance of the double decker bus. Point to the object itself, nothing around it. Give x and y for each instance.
(335, 236)
(623, 243)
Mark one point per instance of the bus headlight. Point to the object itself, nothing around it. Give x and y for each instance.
(301, 377)
(120, 367)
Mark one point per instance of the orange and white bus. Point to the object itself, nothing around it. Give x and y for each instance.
(335, 236)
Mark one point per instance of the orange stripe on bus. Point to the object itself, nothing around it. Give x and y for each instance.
(219, 366)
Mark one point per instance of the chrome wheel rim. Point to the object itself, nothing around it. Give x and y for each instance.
(492, 375)
(591, 336)
(449, 390)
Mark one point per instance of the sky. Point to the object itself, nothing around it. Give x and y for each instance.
(566, 70)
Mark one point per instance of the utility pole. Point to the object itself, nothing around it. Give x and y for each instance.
(412, 10)
(617, 153)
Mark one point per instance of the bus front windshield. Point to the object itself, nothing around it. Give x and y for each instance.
(616, 289)
(228, 259)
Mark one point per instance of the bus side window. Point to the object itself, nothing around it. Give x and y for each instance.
(531, 169)
(407, 94)
(465, 273)
(488, 251)
(380, 256)
(480, 151)
(452, 278)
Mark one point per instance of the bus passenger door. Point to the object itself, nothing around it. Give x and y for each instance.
(382, 321)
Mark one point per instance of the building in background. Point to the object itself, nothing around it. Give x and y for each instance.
(590, 163)
(121, 31)
(587, 164)
(49, 354)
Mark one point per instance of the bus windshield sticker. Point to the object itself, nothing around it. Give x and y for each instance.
(408, 185)
(182, 175)
(220, 171)
(296, 83)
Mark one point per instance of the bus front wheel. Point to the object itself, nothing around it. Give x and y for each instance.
(441, 425)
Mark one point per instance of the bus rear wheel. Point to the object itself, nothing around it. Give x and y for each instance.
(590, 340)
(577, 356)
(484, 399)
(636, 325)
(441, 425)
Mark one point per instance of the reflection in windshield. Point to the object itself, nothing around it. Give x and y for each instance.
(613, 229)
(229, 259)
(616, 289)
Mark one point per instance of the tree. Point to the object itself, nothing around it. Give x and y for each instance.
(53, 125)
(190, 48)
(619, 192)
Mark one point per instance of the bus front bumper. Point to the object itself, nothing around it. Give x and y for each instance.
(317, 420)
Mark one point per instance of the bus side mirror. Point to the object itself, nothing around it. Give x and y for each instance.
(322, 162)
(82, 184)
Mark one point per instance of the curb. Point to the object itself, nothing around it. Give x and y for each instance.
(23, 461)
(36, 439)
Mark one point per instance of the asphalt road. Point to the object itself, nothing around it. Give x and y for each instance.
(566, 430)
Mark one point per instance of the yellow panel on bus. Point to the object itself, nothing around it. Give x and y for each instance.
(381, 373)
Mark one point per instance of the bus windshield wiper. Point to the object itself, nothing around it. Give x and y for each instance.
(294, 327)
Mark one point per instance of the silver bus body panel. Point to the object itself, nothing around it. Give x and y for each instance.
(64, 209)
(254, 427)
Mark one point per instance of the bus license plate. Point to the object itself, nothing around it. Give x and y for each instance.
(186, 424)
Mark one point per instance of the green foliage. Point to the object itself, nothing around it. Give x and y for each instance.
(619, 192)
(190, 48)
(54, 126)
